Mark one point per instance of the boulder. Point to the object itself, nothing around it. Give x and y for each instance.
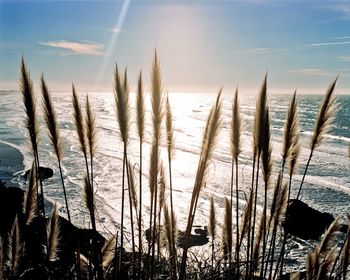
(45, 172)
(305, 222)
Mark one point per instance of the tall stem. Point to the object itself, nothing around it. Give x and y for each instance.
(64, 189)
(306, 167)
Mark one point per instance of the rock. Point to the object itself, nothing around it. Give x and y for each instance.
(45, 172)
(200, 237)
(305, 222)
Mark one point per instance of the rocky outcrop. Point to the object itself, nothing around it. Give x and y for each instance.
(45, 173)
(305, 222)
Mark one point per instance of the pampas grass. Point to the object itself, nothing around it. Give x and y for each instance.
(14, 248)
(212, 229)
(208, 143)
(53, 133)
(53, 235)
(322, 125)
(30, 203)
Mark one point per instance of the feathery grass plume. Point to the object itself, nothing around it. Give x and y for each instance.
(108, 253)
(324, 120)
(51, 120)
(89, 197)
(259, 139)
(258, 239)
(121, 96)
(266, 149)
(53, 235)
(259, 117)
(26, 88)
(79, 123)
(212, 228)
(14, 248)
(247, 213)
(277, 215)
(30, 197)
(310, 264)
(235, 151)
(140, 114)
(211, 132)
(227, 231)
(170, 234)
(326, 265)
(162, 184)
(291, 130)
(132, 186)
(157, 117)
(140, 109)
(169, 127)
(295, 276)
(345, 253)
(327, 242)
(90, 128)
(53, 132)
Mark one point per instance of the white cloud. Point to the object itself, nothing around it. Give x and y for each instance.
(312, 72)
(84, 47)
(117, 30)
(328, 44)
(341, 38)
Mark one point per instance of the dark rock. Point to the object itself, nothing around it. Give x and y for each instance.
(11, 205)
(200, 237)
(305, 222)
(45, 173)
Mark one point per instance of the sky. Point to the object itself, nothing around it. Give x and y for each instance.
(202, 45)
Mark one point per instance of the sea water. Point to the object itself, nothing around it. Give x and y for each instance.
(326, 188)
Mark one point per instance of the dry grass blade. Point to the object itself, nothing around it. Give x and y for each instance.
(78, 120)
(121, 96)
(212, 219)
(90, 128)
(53, 235)
(325, 117)
(277, 191)
(108, 252)
(169, 127)
(140, 109)
(235, 128)
(154, 167)
(14, 247)
(26, 88)
(51, 120)
(326, 265)
(291, 130)
(168, 228)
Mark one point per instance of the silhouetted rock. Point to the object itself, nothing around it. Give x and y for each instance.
(45, 173)
(305, 222)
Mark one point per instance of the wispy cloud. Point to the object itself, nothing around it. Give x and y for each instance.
(259, 50)
(345, 58)
(328, 44)
(341, 38)
(116, 30)
(83, 47)
(312, 72)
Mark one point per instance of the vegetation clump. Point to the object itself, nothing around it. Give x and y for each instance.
(252, 244)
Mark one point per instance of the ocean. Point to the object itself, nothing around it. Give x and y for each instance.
(327, 184)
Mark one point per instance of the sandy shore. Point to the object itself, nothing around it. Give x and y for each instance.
(11, 161)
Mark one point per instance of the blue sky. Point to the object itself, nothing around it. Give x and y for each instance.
(202, 45)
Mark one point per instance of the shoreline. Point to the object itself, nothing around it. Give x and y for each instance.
(11, 161)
